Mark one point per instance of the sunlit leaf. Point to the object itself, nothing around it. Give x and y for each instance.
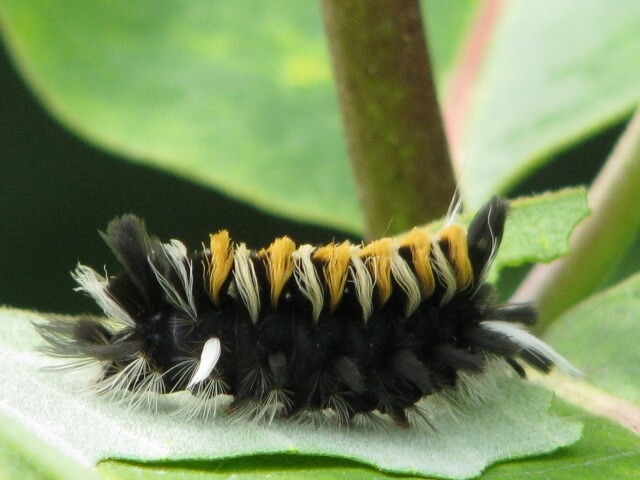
(602, 336)
(512, 423)
(555, 74)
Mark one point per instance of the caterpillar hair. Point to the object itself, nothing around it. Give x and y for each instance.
(291, 330)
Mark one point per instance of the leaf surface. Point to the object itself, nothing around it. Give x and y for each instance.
(556, 74)
(512, 423)
(605, 450)
(602, 336)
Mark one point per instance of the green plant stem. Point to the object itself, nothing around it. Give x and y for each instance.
(393, 124)
(595, 400)
(600, 241)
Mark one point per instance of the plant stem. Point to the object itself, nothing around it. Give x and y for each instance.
(394, 128)
(594, 400)
(600, 241)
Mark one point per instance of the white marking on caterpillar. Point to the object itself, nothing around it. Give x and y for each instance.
(246, 280)
(444, 271)
(533, 344)
(96, 286)
(362, 282)
(208, 361)
(307, 279)
(176, 254)
(407, 281)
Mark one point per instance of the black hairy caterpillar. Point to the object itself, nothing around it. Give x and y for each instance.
(290, 330)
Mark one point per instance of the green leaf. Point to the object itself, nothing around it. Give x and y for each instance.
(601, 336)
(606, 450)
(556, 74)
(241, 102)
(538, 228)
(26, 456)
(511, 423)
(272, 467)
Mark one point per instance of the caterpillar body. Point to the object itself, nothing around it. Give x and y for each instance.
(289, 330)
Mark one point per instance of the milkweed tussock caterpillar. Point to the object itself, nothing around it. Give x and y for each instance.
(298, 329)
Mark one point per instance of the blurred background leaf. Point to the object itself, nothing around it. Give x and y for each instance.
(556, 75)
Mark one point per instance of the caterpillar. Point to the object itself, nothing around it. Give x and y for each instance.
(294, 329)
